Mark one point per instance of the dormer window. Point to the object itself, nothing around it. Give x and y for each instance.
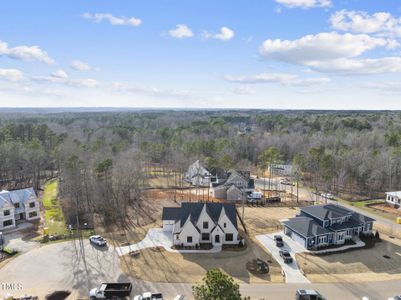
(205, 225)
(32, 204)
(225, 225)
(16, 205)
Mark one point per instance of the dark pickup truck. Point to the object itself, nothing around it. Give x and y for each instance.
(111, 290)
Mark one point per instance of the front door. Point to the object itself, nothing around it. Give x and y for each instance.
(217, 239)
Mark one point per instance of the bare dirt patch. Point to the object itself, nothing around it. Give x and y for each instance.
(163, 266)
(355, 266)
(384, 207)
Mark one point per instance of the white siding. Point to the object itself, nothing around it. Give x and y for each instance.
(189, 230)
(168, 225)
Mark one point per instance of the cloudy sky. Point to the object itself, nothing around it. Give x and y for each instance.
(331, 54)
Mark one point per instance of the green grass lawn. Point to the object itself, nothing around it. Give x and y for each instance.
(53, 211)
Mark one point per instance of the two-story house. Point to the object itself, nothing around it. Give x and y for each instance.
(394, 198)
(324, 225)
(193, 224)
(198, 175)
(18, 205)
(237, 187)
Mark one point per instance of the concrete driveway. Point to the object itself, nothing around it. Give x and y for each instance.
(156, 237)
(292, 272)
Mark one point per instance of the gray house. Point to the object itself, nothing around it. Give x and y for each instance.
(325, 225)
(236, 187)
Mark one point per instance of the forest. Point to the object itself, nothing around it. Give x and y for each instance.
(100, 157)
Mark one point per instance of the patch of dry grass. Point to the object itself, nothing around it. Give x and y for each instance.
(355, 266)
(162, 266)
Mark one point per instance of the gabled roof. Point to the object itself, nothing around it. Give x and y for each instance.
(307, 227)
(20, 196)
(327, 211)
(394, 194)
(194, 209)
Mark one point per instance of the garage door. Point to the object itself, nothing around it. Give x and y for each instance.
(168, 225)
(299, 239)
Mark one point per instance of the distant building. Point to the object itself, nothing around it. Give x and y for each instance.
(198, 175)
(237, 187)
(324, 225)
(282, 170)
(394, 198)
(18, 205)
(193, 224)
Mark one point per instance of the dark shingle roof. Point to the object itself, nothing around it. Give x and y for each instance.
(195, 208)
(305, 226)
(328, 211)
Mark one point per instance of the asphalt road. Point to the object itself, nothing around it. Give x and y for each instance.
(64, 266)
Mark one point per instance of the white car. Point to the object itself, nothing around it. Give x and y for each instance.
(97, 240)
(328, 196)
(149, 296)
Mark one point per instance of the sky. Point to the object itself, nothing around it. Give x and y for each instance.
(272, 54)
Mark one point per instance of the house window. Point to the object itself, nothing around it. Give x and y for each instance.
(205, 225)
(205, 236)
(33, 214)
(32, 204)
(7, 212)
(229, 237)
(322, 239)
(225, 225)
(16, 205)
(189, 239)
(7, 223)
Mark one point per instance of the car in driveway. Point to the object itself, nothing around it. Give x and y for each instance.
(97, 240)
(279, 240)
(286, 182)
(302, 294)
(286, 256)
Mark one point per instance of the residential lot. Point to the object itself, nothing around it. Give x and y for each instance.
(158, 265)
(261, 220)
(383, 262)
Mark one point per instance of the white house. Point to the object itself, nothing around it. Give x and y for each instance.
(18, 205)
(193, 224)
(198, 175)
(394, 198)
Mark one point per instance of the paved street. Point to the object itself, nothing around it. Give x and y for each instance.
(64, 266)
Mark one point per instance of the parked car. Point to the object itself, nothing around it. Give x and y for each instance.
(327, 196)
(286, 256)
(395, 298)
(97, 240)
(149, 296)
(111, 291)
(308, 295)
(279, 240)
(286, 182)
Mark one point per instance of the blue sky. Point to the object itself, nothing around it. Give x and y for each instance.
(332, 54)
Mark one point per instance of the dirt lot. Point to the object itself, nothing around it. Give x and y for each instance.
(355, 266)
(163, 266)
(261, 220)
(387, 208)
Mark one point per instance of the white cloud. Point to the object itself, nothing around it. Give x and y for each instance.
(154, 91)
(390, 87)
(27, 53)
(333, 52)
(362, 22)
(225, 34)
(280, 78)
(79, 65)
(99, 17)
(367, 66)
(320, 47)
(181, 31)
(243, 90)
(11, 74)
(61, 77)
(305, 3)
